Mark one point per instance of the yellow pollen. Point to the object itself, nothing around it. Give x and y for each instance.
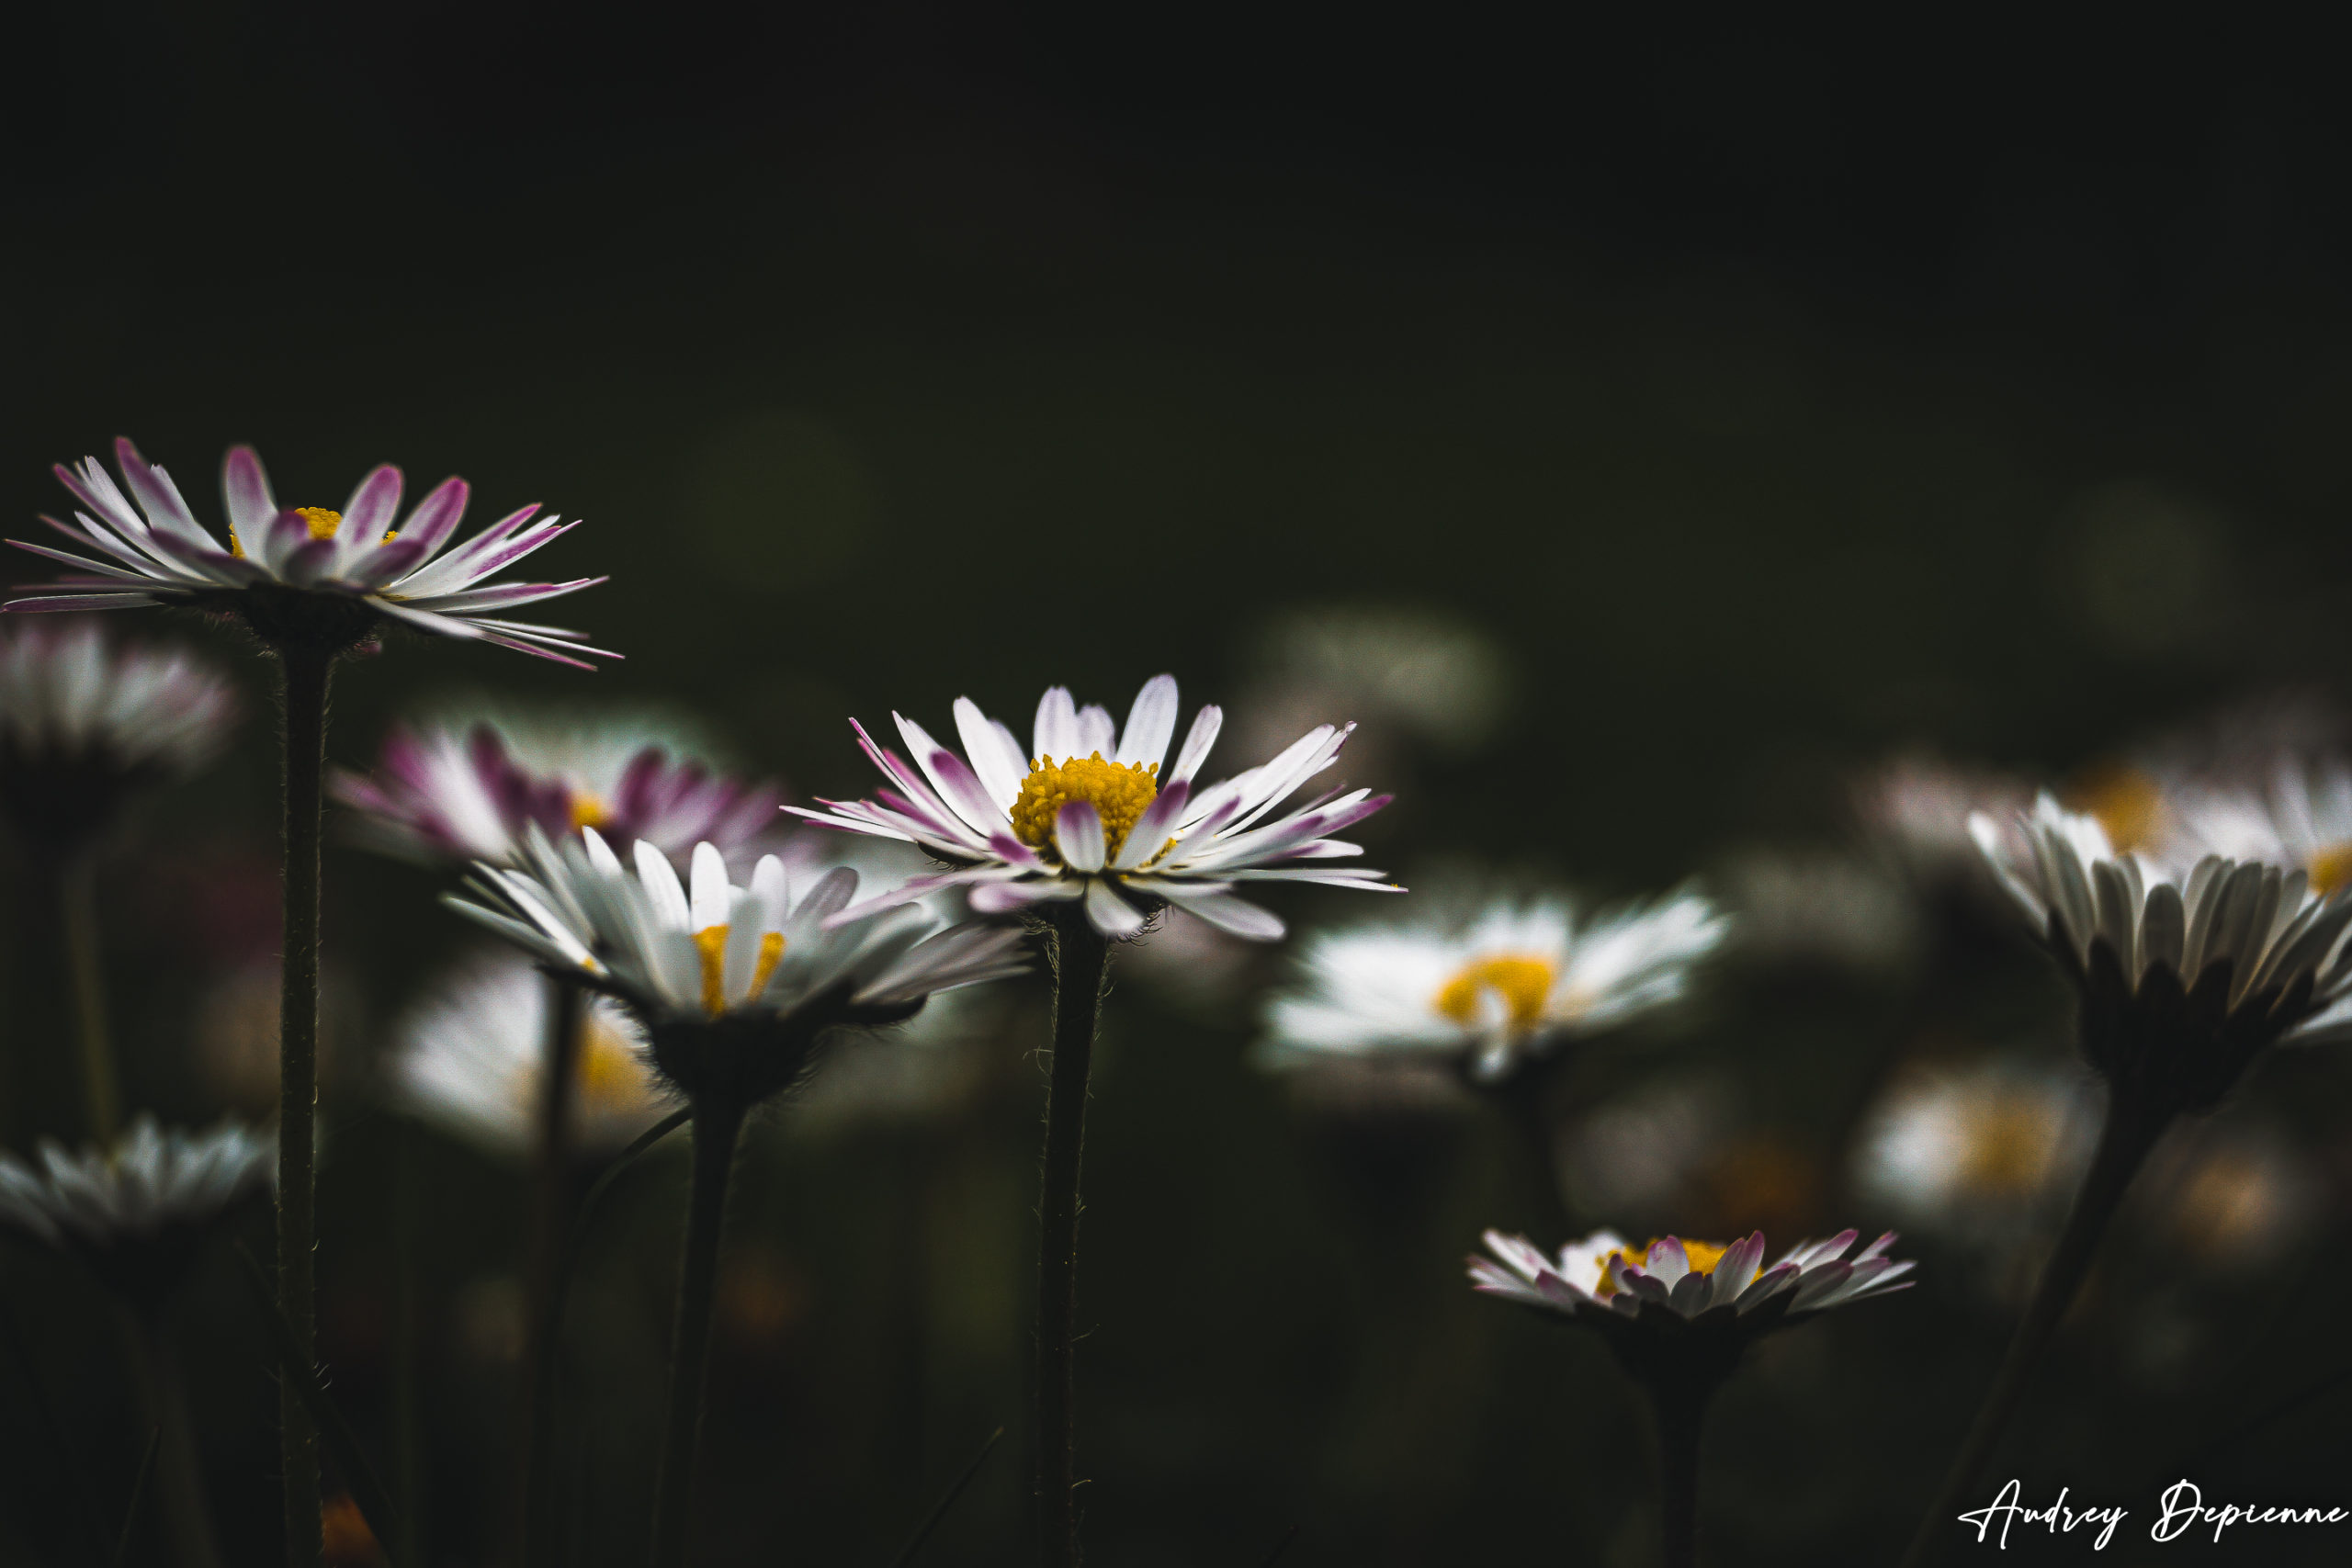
(2127, 802)
(1118, 794)
(2331, 870)
(1523, 983)
(323, 521)
(588, 811)
(711, 942)
(1704, 1257)
(611, 1077)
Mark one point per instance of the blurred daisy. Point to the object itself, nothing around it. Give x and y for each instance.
(472, 1056)
(733, 984)
(447, 792)
(86, 721)
(1980, 1153)
(304, 572)
(2304, 819)
(139, 1212)
(1603, 1279)
(1510, 987)
(1821, 908)
(2186, 972)
(1915, 809)
(1086, 813)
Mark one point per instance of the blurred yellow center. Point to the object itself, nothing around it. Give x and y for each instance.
(323, 523)
(611, 1077)
(2010, 1149)
(2331, 870)
(588, 811)
(2127, 803)
(1118, 794)
(711, 942)
(1704, 1257)
(1524, 984)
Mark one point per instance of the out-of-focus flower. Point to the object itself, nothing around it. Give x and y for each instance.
(462, 792)
(1645, 1152)
(1086, 814)
(1980, 1153)
(86, 721)
(138, 1213)
(1492, 993)
(2237, 1196)
(345, 1539)
(2185, 973)
(1671, 1282)
(1436, 680)
(2304, 821)
(1915, 812)
(303, 574)
(1822, 909)
(473, 1058)
(733, 985)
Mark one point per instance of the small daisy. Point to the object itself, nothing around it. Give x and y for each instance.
(86, 721)
(1603, 1280)
(137, 1213)
(304, 572)
(733, 984)
(472, 1058)
(1086, 813)
(451, 792)
(1510, 987)
(2185, 971)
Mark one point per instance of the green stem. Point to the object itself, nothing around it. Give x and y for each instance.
(550, 1226)
(1681, 1414)
(180, 1476)
(2131, 1130)
(717, 1125)
(1082, 963)
(78, 913)
(306, 673)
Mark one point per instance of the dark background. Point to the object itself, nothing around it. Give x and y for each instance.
(1774, 396)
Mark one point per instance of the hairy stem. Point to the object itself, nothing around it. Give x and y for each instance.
(717, 1125)
(2131, 1130)
(306, 672)
(551, 1227)
(1082, 963)
(77, 918)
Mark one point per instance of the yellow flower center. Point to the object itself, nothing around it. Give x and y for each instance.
(323, 521)
(2127, 802)
(1704, 1257)
(2010, 1149)
(1523, 983)
(711, 942)
(611, 1077)
(2331, 870)
(1118, 794)
(588, 811)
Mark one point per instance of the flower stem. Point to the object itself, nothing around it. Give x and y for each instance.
(550, 1225)
(305, 671)
(77, 916)
(1681, 1412)
(2132, 1129)
(718, 1124)
(408, 1425)
(1082, 963)
(179, 1475)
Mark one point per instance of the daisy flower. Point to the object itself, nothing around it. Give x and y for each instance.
(464, 792)
(303, 573)
(2304, 821)
(85, 720)
(472, 1058)
(732, 983)
(139, 1212)
(1088, 813)
(2185, 971)
(1605, 1282)
(1980, 1151)
(1510, 986)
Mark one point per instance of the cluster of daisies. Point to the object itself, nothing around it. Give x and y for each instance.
(712, 948)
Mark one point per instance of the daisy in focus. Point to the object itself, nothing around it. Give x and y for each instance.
(1090, 813)
(467, 792)
(86, 721)
(2185, 971)
(733, 984)
(1508, 988)
(305, 574)
(139, 1212)
(1605, 1280)
(470, 1060)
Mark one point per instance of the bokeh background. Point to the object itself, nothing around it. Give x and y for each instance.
(1730, 407)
